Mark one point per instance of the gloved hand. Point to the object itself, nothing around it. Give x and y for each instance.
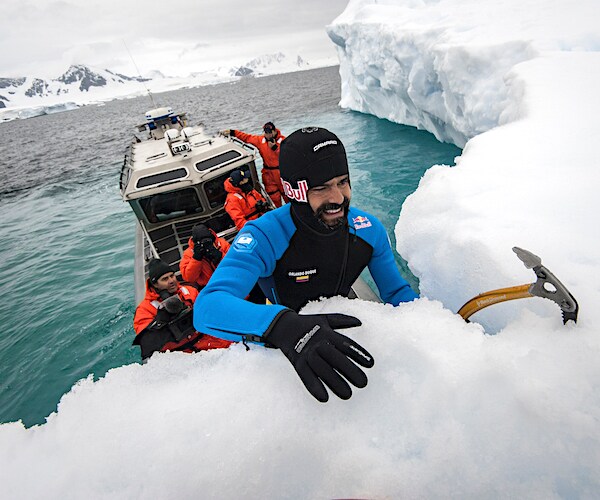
(206, 249)
(161, 319)
(226, 132)
(173, 304)
(261, 206)
(213, 254)
(319, 354)
(198, 251)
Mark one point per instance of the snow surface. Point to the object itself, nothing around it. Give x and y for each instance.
(508, 407)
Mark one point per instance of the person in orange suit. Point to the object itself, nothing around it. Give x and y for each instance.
(243, 202)
(268, 147)
(163, 319)
(202, 256)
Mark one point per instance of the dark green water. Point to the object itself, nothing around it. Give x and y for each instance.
(66, 251)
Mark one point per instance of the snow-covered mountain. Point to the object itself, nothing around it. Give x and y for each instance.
(28, 96)
(264, 65)
(76, 80)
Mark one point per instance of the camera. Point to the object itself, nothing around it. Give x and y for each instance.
(204, 244)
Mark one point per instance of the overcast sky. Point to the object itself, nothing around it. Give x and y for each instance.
(43, 37)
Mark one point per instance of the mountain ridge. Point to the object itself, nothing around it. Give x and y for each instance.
(80, 84)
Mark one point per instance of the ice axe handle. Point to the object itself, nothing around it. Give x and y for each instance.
(547, 286)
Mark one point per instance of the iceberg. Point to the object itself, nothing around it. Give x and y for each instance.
(516, 87)
(451, 409)
(23, 113)
(442, 66)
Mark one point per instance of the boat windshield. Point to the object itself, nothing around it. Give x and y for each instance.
(167, 206)
(215, 190)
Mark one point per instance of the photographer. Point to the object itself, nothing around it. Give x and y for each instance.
(202, 256)
(163, 319)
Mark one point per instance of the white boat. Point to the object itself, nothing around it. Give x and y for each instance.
(173, 178)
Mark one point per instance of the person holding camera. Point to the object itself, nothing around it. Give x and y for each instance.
(243, 202)
(163, 319)
(268, 145)
(202, 256)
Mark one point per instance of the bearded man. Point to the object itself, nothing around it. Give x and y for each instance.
(315, 246)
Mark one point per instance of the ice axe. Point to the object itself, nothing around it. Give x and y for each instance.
(547, 286)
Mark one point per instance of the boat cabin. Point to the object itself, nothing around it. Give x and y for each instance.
(173, 179)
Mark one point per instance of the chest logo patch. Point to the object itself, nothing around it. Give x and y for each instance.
(302, 276)
(361, 222)
(245, 242)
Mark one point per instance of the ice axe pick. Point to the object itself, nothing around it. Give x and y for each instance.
(547, 286)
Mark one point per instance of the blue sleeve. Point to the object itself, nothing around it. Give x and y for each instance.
(220, 309)
(393, 288)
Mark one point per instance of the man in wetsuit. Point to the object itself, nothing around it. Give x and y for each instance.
(163, 319)
(316, 246)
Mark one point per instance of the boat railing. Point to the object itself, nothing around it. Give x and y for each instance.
(152, 248)
(241, 143)
(168, 241)
(202, 143)
(125, 172)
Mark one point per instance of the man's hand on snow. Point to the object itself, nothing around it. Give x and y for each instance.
(320, 355)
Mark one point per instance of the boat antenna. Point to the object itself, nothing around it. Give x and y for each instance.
(141, 80)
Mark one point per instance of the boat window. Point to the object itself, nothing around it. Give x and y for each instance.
(223, 158)
(166, 206)
(215, 190)
(171, 175)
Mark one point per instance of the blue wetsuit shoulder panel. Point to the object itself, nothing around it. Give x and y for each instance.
(220, 309)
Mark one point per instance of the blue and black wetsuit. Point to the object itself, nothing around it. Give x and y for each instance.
(294, 263)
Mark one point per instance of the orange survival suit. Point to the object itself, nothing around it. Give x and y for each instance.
(200, 271)
(158, 330)
(241, 206)
(271, 177)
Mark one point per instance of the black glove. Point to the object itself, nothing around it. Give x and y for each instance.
(261, 206)
(321, 355)
(161, 319)
(198, 253)
(213, 254)
(205, 249)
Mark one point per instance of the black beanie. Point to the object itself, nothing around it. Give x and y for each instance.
(310, 157)
(157, 268)
(200, 232)
(237, 176)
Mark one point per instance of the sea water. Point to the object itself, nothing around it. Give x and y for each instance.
(67, 239)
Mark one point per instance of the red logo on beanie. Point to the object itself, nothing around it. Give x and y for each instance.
(296, 194)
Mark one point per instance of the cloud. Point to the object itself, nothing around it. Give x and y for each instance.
(43, 36)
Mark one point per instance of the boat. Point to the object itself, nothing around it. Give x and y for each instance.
(172, 177)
